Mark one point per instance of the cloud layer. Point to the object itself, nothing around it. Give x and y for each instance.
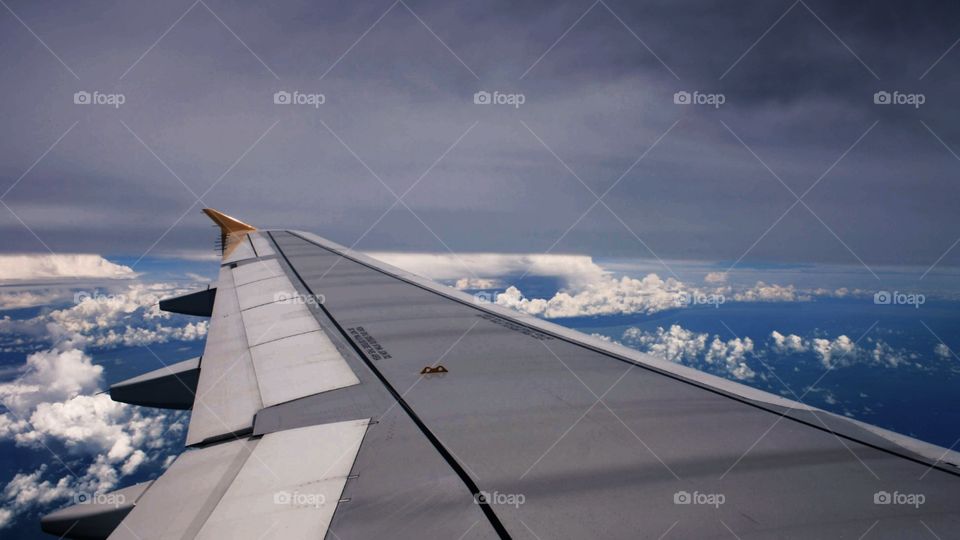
(843, 351)
(648, 295)
(123, 315)
(577, 270)
(55, 406)
(49, 266)
(694, 349)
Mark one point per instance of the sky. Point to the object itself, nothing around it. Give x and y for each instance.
(784, 110)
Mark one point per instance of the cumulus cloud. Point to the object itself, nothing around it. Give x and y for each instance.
(58, 266)
(607, 296)
(478, 283)
(55, 407)
(17, 299)
(843, 351)
(943, 352)
(831, 352)
(588, 288)
(128, 316)
(791, 343)
(733, 357)
(695, 349)
(715, 277)
(576, 270)
(762, 292)
(51, 375)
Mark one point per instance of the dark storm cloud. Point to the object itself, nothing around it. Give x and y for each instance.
(201, 98)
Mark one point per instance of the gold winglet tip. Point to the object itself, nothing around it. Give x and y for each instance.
(228, 224)
(232, 230)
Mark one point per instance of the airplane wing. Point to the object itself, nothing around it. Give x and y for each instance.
(339, 397)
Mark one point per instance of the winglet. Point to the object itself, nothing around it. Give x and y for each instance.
(231, 229)
(228, 224)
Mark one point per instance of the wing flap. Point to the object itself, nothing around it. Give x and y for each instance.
(285, 485)
(178, 503)
(227, 393)
(290, 485)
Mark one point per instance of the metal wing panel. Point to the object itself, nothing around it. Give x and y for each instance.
(178, 503)
(269, 322)
(298, 366)
(263, 269)
(285, 485)
(227, 393)
(289, 486)
(264, 347)
(265, 291)
(261, 244)
(521, 409)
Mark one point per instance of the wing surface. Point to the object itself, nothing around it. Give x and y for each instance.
(340, 397)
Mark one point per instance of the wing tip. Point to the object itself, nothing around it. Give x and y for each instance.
(227, 224)
(232, 230)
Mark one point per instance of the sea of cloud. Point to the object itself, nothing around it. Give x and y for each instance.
(53, 402)
(742, 358)
(589, 289)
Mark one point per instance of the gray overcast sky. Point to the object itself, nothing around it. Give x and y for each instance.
(399, 80)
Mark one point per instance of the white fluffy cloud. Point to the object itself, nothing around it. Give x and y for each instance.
(843, 351)
(51, 375)
(589, 289)
(733, 357)
(50, 266)
(791, 343)
(694, 349)
(607, 296)
(56, 404)
(478, 283)
(576, 270)
(130, 316)
(624, 296)
(55, 407)
(17, 298)
(762, 292)
(715, 277)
